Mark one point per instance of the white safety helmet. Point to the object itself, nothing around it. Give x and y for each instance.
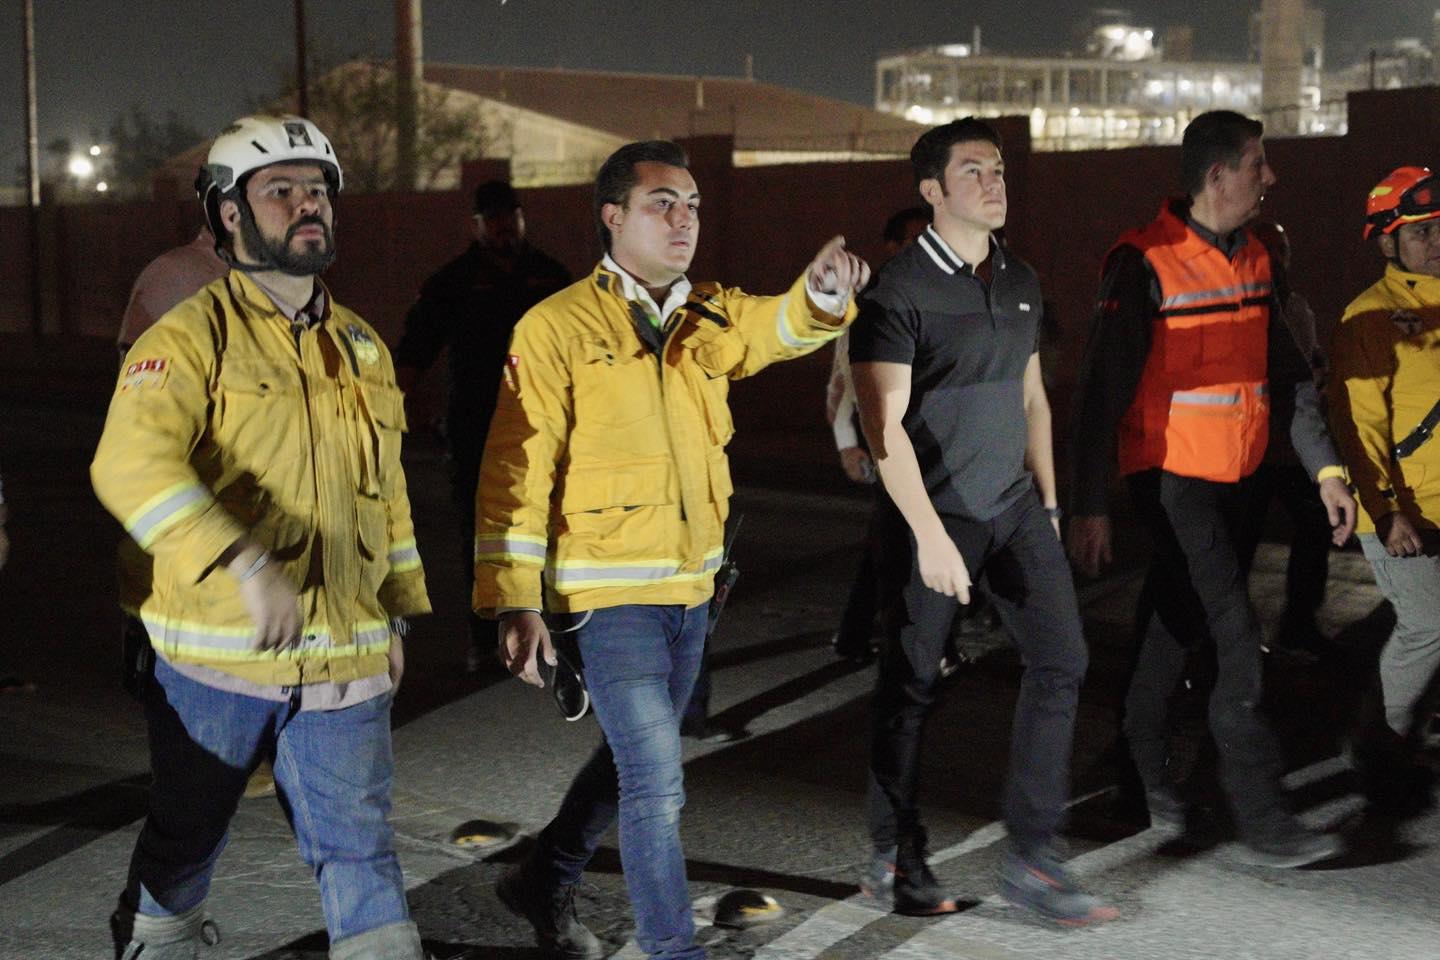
(259, 141)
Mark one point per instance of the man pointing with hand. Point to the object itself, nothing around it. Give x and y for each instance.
(603, 494)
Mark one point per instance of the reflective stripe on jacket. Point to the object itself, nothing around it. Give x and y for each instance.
(226, 423)
(1202, 406)
(1385, 377)
(604, 474)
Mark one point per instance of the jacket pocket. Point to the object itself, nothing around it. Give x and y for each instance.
(604, 486)
(381, 431)
(721, 486)
(372, 534)
(258, 415)
(615, 384)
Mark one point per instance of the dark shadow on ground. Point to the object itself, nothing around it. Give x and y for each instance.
(78, 818)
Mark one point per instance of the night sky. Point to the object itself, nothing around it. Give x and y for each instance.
(208, 60)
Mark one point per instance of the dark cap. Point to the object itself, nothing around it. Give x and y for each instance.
(495, 196)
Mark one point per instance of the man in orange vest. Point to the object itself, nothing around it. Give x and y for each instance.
(1175, 386)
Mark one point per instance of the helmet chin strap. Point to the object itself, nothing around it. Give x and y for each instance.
(247, 216)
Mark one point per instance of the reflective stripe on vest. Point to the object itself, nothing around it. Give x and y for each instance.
(404, 555)
(165, 509)
(517, 547)
(238, 643)
(1226, 298)
(1206, 398)
(1201, 407)
(795, 340)
(587, 574)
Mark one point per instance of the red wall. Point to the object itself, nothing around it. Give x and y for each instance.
(760, 227)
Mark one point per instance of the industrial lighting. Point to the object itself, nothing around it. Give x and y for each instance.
(101, 187)
(80, 167)
(94, 149)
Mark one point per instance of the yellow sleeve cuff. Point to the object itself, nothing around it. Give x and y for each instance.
(1331, 471)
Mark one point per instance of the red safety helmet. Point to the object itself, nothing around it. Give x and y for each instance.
(1407, 195)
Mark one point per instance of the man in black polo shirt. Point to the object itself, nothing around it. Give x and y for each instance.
(948, 381)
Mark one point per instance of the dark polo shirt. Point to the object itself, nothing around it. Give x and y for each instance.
(968, 344)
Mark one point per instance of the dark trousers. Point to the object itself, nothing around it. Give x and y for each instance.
(1197, 590)
(464, 479)
(857, 622)
(1309, 564)
(1028, 578)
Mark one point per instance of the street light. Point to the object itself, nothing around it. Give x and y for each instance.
(80, 167)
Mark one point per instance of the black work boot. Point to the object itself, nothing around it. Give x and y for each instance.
(917, 892)
(551, 911)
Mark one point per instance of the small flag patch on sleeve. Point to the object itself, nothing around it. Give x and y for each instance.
(145, 373)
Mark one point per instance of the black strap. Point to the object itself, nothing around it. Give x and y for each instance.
(1419, 435)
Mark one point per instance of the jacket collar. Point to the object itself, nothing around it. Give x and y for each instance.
(1176, 211)
(259, 298)
(1424, 288)
(945, 257)
(627, 288)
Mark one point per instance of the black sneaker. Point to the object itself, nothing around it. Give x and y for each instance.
(707, 732)
(917, 891)
(878, 880)
(1039, 883)
(1289, 844)
(856, 650)
(558, 932)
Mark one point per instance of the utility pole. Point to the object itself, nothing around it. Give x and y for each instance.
(409, 66)
(302, 71)
(32, 161)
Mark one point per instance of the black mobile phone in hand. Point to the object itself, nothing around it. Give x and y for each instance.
(566, 679)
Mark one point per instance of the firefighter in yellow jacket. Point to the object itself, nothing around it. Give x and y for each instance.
(603, 494)
(1386, 391)
(253, 449)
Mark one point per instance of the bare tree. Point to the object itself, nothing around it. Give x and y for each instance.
(355, 104)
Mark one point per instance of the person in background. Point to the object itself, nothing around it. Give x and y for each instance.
(1298, 350)
(471, 305)
(852, 640)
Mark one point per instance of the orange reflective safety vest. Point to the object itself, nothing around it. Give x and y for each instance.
(1202, 408)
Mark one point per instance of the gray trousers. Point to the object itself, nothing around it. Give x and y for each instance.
(1412, 654)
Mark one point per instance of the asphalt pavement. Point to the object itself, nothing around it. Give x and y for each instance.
(779, 810)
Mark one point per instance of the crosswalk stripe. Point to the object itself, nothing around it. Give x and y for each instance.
(844, 918)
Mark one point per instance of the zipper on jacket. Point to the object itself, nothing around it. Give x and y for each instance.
(666, 335)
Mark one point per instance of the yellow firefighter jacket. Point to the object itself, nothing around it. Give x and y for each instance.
(604, 471)
(225, 422)
(1385, 377)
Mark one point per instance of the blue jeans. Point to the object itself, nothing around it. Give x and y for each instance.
(332, 773)
(640, 667)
